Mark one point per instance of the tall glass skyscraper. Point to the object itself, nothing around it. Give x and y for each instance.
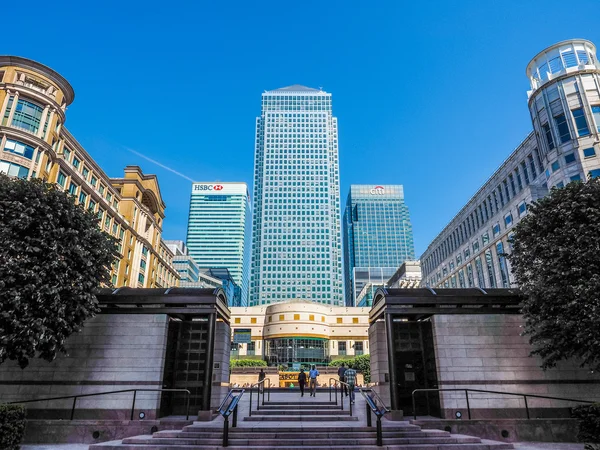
(296, 252)
(219, 228)
(378, 236)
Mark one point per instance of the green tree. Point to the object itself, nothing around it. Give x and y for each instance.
(361, 363)
(52, 257)
(556, 262)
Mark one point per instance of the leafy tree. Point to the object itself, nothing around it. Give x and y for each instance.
(361, 363)
(556, 262)
(52, 257)
(247, 363)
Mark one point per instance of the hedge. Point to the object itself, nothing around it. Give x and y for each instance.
(12, 426)
(589, 423)
(361, 363)
(247, 363)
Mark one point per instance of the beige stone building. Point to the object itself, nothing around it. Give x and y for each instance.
(300, 332)
(34, 143)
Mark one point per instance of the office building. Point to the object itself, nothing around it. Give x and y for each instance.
(407, 276)
(296, 251)
(378, 237)
(36, 144)
(564, 103)
(184, 264)
(219, 226)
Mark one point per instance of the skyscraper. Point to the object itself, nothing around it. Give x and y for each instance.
(296, 252)
(377, 235)
(219, 229)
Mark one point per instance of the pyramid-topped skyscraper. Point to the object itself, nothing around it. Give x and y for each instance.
(296, 248)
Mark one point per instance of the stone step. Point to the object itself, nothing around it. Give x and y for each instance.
(301, 406)
(115, 445)
(291, 412)
(304, 441)
(303, 418)
(307, 402)
(292, 435)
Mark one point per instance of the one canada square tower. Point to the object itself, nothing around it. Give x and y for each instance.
(296, 248)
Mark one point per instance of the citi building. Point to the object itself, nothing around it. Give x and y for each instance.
(296, 252)
(219, 227)
(378, 238)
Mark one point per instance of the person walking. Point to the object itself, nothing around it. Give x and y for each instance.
(261, 377)
(351, 381)
(313, 374)
(301, 381)
(341, 374)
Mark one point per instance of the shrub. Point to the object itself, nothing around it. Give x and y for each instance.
(589, 422)
(12, 426)
(247, 363)
(361, 363)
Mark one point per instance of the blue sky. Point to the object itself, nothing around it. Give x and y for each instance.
(431, 95)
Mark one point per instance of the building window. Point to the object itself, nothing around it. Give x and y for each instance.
(76, 162)
(252, 319)
(141, 278)
(575, 178)
(281, 317)
(251, 348)
(144, 250)
(596, 114)
(18, 148)
(522, 208)
(311, 317)
(85, 172)
(548, 134)
(589, 152)
(490, 268)
(355, 320)
(339, 320)
(73, 189)
(358, 348)
(496, 229)
(563, 128)
(27, 116)
(94, 181)
(595, 173)
(555, 166)
(82, 198)
(508, 219)
(502, 264)
(570, 158)
(237, 320)
(580, 122)
(296, 316)
(342, 348)
(13, 170)
(61, 179)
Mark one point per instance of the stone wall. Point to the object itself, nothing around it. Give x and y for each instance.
(112, 352)
(379, 361)
(488, 352)
(220, 377)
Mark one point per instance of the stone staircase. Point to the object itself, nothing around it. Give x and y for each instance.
(323, 425)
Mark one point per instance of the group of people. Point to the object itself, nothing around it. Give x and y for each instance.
(347, 377)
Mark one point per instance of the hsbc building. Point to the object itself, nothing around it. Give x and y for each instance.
(219, 227)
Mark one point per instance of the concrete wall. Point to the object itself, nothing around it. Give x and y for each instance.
(220, 377)
(488, 352)
(379, 361)
(112, 352)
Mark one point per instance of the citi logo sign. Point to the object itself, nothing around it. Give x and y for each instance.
(208, 187)
(378, 190)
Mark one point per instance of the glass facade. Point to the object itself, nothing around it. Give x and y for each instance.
(297, 350)
(296, 251)
(378, 236)
(218, 235)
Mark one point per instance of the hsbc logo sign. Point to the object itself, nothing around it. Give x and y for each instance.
(208, 187)
(378, 190)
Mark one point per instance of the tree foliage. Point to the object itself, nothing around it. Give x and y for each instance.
(52, 257)
(556, 262)
(247, 363)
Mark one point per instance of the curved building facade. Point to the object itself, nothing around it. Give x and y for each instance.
(564, 146)
(34, 143)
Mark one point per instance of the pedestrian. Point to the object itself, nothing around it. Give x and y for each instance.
(261, 377)
(341, 374)
(313, 374)
(301, 381)
(351, 381)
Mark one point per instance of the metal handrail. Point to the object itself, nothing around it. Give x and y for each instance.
(257, 384)
(232, 407)
(466, 391)
(372, 406)
(335, 382)
(135, 391)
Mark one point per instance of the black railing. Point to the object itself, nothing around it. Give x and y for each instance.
(341, 385)
(260, 386)
(375, 405)
(229, 406)
(135, 391)
(466, 391)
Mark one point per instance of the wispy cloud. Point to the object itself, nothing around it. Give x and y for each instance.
(159, 164)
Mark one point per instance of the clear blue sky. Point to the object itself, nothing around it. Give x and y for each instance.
(431, 95)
